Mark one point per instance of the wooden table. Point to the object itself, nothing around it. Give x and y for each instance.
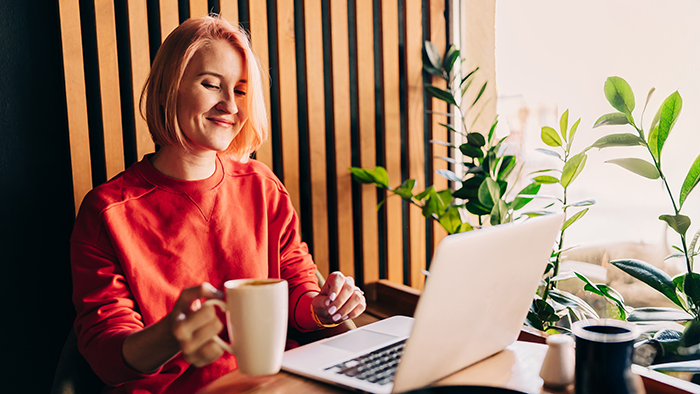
(516, 367)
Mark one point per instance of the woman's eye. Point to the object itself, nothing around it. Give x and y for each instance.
(209, 86)
(240, 92)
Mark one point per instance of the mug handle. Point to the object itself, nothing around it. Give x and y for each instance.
(224, 345)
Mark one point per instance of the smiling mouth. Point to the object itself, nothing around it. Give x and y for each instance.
(221, 122)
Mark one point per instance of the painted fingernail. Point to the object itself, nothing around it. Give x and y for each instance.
(328, 302)
(336, 317)
(332, 296)
(213, 289)
(332, 310)
(345, 317)
(180, 317)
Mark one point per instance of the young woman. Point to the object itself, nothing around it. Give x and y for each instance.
(149, 245)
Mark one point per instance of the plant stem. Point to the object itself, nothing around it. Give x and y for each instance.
(676, 210)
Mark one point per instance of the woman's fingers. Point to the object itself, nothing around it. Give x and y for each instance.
(195, 325)
(343, 300)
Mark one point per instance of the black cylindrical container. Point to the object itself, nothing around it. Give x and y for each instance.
(604, 356)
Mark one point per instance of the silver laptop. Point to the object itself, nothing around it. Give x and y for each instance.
(474, 303)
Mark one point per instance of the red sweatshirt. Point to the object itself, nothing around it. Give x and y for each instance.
(142, 237)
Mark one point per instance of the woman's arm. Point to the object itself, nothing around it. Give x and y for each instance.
(183, 329)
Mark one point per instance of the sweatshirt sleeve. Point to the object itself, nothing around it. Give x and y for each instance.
(296, 264)
(106, 311)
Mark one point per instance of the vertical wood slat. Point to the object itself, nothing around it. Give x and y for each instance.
(199, 8)
(76, 102)
(169, 17)
(259, 40)
(109, 86)
(289, 122)
(140, 66)
(366, 109)
(416, 145)
(341, 115)
(392, 135)
(229, 10)
(317, 131)
(440, 133)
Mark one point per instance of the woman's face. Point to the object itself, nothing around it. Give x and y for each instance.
(211, 102)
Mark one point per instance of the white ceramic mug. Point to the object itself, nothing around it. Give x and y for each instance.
(256, 313)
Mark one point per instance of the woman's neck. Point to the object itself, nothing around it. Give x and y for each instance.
(178, 163)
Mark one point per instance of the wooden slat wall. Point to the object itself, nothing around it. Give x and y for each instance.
(335, 98)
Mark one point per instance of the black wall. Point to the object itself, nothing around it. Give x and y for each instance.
(36, 196)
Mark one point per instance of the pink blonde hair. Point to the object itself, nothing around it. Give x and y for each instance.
(161, 87)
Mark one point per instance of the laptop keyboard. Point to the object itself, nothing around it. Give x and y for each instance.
(378, 366)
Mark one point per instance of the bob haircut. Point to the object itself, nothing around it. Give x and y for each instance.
(161, 87)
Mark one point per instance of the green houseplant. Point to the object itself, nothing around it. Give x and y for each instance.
(488, 171)
(484, 189)
(551, 305)
(684, 289)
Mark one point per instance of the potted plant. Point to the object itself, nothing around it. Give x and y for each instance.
(684, 289)
(488, 170)
(553, 309)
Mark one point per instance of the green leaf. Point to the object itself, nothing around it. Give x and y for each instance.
(449, 175)
(670, 109)
(449, 127)
(474, 207)
(621, 139)
(570, 300)
(564, 123)
(476, 139)
(658, 314)
(615, 118)
(489, 193)
(433, 55)
(471, 151)
(530, 189)
(657, 118)
(549, 152)
(533, 321)
(425, 193)
(451, 220)
(691, 335)
(573, 168)
(481, 92)
(638, 166)
(468, 76)
(550, 137)
(691, 180)
(651, 91)
(572, 133)
(606, 292)
(691, 288)
(654, 143)
(499, 212)
(584, 203)
(492, 131)
(578, 215)
(619, 94)
(405, 190)
(652, 276)
(445, 197)
(377, 176)
(679, 223)
(545, 312)
(545, 179)
(440, 94)
(451, 57)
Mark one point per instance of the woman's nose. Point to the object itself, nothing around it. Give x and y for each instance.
(228, 105)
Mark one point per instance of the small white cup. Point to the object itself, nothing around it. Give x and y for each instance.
(256, 313)
(559, 363)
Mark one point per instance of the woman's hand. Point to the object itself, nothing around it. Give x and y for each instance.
(195, 325)
(189, 328)
(339, 299)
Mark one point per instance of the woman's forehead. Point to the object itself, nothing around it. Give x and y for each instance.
(218, 57)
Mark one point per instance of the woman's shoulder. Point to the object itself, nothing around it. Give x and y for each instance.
(125, 186)
(251, 168)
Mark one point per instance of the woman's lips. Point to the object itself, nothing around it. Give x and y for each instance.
(221, 122)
